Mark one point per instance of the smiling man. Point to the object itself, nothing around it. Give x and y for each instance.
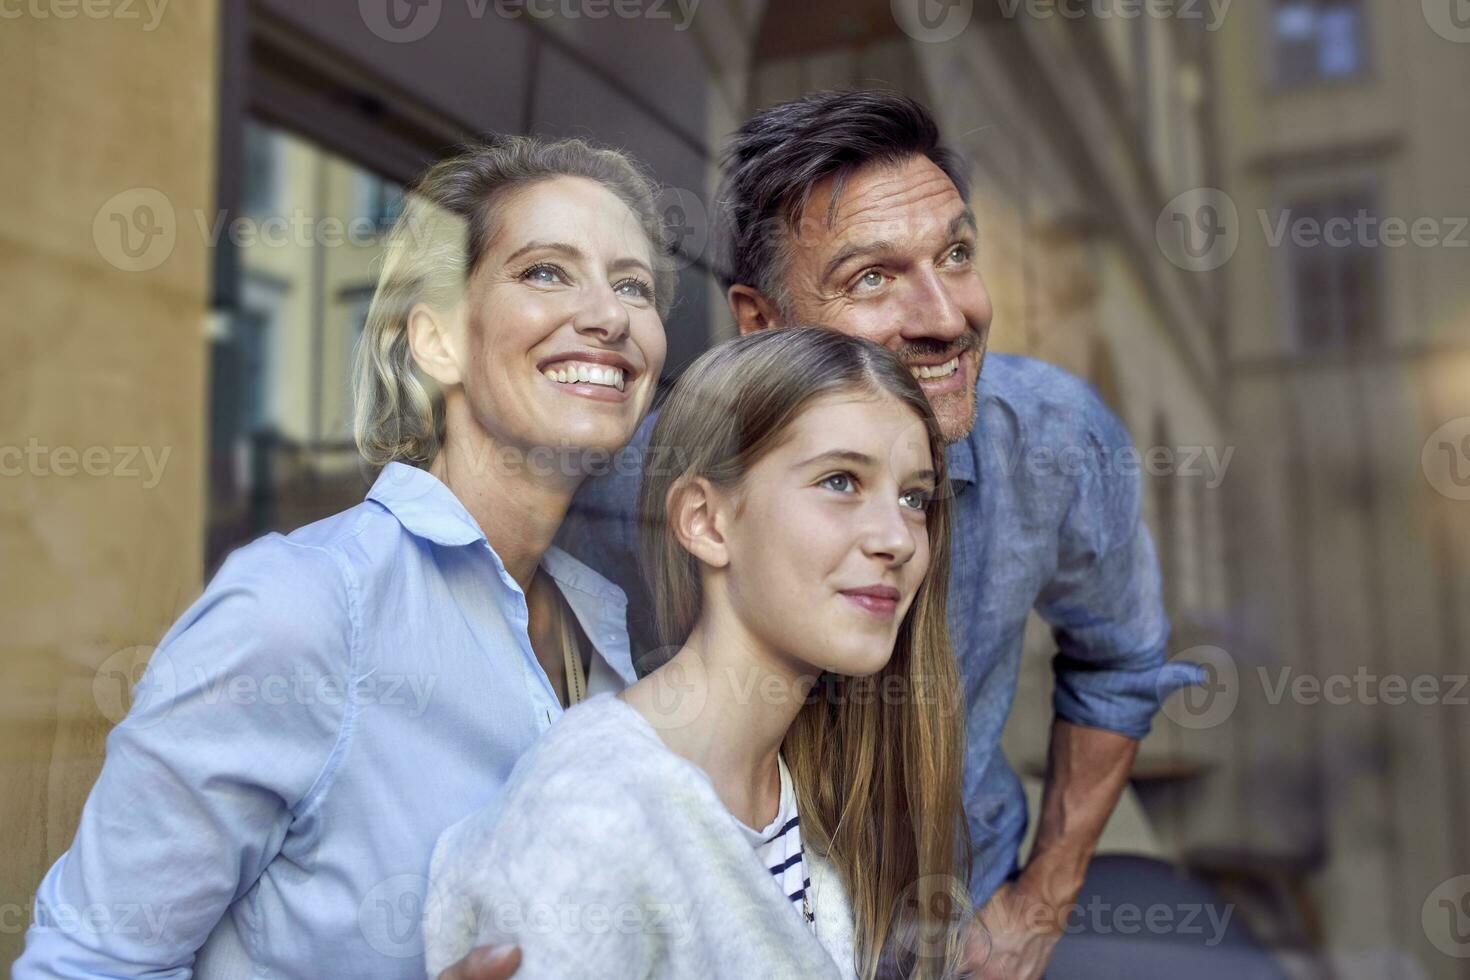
(844, 209)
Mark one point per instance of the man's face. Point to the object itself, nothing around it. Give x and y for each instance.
(896, 265)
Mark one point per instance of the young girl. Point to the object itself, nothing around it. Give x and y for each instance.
(781, 798)
(340, 695)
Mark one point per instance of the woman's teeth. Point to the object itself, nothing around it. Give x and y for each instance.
(573, 372)
(937, 371)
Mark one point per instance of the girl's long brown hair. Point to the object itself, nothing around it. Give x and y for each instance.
(876, 761)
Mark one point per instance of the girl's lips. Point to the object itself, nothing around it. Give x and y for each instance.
(879, 605)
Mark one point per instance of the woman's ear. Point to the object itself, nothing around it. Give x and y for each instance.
(433, 344)
(692, 506)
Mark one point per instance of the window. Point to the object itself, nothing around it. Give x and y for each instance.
(261, 186)
(1318, 40)
(1333, 271)
(281, 446)
(377, 199)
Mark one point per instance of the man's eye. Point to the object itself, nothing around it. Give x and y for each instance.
(841, 482)
(871, 279)
(960, 253)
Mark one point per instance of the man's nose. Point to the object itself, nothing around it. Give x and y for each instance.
(936, 312)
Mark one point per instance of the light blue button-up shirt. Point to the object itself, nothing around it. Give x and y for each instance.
(1046, 517)
(334, 700)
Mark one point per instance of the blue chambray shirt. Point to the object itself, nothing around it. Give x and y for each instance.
(333, 701)
(1046, 516)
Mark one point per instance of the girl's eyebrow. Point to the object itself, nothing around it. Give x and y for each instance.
(862, 459)
(840, 456)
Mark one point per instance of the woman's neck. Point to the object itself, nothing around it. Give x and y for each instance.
(725, 702)
(518, 509)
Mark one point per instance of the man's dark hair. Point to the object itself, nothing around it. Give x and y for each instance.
(772, 163)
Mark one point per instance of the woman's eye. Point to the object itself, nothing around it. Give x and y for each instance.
(544, 273)
(634, 289)
(841, 482)
(917, 499)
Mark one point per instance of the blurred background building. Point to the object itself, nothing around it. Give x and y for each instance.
(195, 200)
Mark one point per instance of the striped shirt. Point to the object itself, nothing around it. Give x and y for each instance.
(779, 846)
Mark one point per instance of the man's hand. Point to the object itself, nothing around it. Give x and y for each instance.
(1086, 771)
(486, 963)
(1013, 936)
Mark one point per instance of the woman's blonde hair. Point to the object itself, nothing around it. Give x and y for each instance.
(448, 220)
(878, 778)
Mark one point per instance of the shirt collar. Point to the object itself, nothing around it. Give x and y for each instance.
(959, 457)
(428, 509)
(424, 505)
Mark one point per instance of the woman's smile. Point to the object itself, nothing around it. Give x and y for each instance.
(599, 375)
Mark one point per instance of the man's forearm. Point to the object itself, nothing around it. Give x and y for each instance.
(1086, 771)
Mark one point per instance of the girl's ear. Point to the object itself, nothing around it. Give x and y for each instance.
(692, 506)
(433, 343)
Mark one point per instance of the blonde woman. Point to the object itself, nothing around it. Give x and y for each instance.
(340, 695)
(781, 798)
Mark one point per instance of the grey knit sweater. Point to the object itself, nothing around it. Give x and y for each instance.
(608, 855)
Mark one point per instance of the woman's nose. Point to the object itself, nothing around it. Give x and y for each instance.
(602, 315)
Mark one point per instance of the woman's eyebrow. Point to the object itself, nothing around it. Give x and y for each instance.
(537, 246)
(573, 252)
(629, 262)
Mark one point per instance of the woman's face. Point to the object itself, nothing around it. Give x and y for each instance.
(827, 537)
(563, 343)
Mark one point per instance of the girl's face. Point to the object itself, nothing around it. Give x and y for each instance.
(562, 342)
(827, 538)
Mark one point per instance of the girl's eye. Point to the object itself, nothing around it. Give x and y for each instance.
(917, 499)
(544, 272)
(841, 482)
(634, 289)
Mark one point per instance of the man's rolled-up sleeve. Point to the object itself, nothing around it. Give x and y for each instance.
(1104, 602)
